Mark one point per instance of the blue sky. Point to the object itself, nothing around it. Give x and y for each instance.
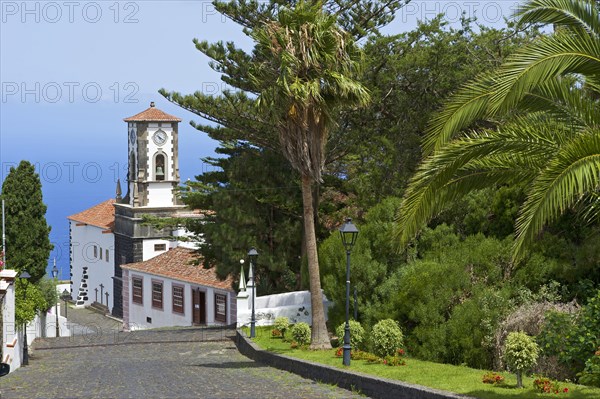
(70, 71)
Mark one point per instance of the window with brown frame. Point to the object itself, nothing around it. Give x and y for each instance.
(138, 290)
(157, 294)
(221, 308)
(160, 247)
(177, 299)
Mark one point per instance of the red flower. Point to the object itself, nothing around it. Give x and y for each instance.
(566, 390)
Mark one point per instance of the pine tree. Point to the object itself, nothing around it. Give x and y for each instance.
(27, 233)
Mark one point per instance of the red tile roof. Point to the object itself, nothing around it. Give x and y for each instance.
(152, 114)
(101, 215)
(177, 264)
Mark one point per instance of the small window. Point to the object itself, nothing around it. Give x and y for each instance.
(138, 290)
(177, 299)
(95, 251)
(100, 253)
(160, 247)
(221, 308)
(106, 255)
(157, 294)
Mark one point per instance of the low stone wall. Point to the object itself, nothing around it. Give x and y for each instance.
(368, 385)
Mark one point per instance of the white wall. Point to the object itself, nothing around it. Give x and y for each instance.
(148, 251)
(83, 240)
(165, 317)
(295, 306)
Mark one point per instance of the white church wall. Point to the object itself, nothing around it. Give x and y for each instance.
(100, 270)
(160, 194)
(150, 251)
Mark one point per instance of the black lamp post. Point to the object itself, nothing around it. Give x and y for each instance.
(25, 362)
(252, 254)
(349, 233)
(55, 276)
(65, 297)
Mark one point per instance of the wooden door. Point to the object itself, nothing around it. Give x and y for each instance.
(198, 306)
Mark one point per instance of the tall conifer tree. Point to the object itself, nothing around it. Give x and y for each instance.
(27, 233)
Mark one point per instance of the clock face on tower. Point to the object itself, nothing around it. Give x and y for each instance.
(159, 137)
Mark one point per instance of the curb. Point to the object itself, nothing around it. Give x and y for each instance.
(373, 387)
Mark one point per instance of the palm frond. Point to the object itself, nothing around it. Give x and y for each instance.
(574, 172)
(576, 15)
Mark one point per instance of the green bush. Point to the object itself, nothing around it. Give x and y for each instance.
(357, 334)
(572, 338)
(591, 373)
(386, 338)
(282, 324)
(520, 353)
(301, 333)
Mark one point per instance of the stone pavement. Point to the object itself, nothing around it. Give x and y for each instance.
(148, 364)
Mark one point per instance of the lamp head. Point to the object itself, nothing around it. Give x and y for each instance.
(348, 233)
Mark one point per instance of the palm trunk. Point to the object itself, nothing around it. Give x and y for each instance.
(319, 335)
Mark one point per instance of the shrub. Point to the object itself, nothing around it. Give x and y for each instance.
(301, 333)
(282, 324)
(546, 385)
(492, 378)
(357, 334)
(591, 374)
(520, 353)
(275, 333)
(386, 338)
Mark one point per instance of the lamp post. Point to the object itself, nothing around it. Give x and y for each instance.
(348, 232)
(252, 254)
(25, 362)
(65, 297)
(55, 276)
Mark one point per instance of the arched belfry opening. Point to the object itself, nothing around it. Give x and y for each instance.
(160, 167)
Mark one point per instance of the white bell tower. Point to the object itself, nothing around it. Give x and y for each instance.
(153, 158)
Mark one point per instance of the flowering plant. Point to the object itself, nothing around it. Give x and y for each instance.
(546, 385)
(492, 378)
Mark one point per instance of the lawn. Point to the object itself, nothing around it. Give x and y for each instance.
(458, 379)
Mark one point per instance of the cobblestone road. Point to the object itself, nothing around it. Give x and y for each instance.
(150, 365)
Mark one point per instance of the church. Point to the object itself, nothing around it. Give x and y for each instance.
(117, 260)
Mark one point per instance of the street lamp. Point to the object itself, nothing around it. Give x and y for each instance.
(65, 297)
(252, 254)
(25, 362)
(55, 276)
(349, 233)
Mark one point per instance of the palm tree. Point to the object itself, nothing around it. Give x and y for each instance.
(311, 63)
(539, 123)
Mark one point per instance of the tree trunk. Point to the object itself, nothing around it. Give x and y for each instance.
(519, 379)
(319, 335)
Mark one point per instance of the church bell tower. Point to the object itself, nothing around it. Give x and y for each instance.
(152, 181)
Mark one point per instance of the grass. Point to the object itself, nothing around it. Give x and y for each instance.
(458, 379)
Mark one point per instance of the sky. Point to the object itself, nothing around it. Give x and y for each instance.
(70, 71)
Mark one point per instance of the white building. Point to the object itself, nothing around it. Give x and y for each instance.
(169, 290)
(92, 254)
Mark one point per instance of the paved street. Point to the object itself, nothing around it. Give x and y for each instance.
(180, 363)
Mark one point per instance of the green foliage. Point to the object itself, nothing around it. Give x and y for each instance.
(532, 121)
(27, 233)
(520, 352)
(301, 333)
(47, 288)
(29, 300)
(386, 338)
(256, 202)
(282, 324)
(573, 338)
(357, 334)
(591, 373)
